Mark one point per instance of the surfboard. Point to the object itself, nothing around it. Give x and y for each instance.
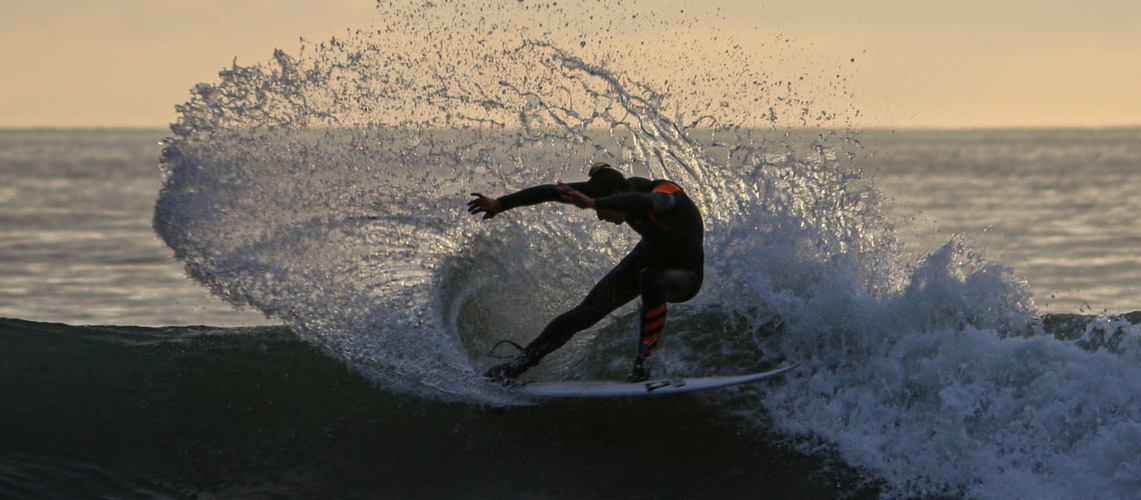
(610, 388)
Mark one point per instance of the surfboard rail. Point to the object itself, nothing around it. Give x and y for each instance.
(611, 388)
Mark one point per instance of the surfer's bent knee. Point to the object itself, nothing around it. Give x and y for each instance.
(675, 284)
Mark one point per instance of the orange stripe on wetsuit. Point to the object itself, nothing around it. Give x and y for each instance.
(653, 320)
(666, 187)
(655, 312)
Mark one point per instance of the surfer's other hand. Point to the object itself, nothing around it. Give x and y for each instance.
(574, 196)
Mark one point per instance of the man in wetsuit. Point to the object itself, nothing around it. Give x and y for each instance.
(667, 265)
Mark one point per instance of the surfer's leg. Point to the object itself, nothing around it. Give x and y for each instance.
(619, 286)
(659, 286)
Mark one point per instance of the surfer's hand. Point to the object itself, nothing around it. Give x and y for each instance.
(574, 196)
(484, 205)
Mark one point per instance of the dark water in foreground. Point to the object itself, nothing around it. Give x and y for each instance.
(199, 412)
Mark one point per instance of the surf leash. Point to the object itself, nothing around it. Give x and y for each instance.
(491, 353)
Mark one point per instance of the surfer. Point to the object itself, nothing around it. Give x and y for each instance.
(667, 265)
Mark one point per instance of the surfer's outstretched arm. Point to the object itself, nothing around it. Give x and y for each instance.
(490, 207)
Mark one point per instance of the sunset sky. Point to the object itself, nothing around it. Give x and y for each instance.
(962, 63)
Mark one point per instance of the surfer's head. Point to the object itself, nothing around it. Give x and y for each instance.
(606, 181)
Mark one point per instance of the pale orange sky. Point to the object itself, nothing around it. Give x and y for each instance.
(961, 63)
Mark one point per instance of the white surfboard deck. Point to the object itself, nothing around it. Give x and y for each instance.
(608, 388)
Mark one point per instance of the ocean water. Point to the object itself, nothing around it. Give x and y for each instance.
(155, 408)
(1050, 204)
(961, 301)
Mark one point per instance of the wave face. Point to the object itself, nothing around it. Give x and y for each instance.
(327, 190)
(204, 412)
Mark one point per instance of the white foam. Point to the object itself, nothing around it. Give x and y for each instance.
(943, 387)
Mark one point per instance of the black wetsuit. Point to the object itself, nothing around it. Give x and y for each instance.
(666, 266)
